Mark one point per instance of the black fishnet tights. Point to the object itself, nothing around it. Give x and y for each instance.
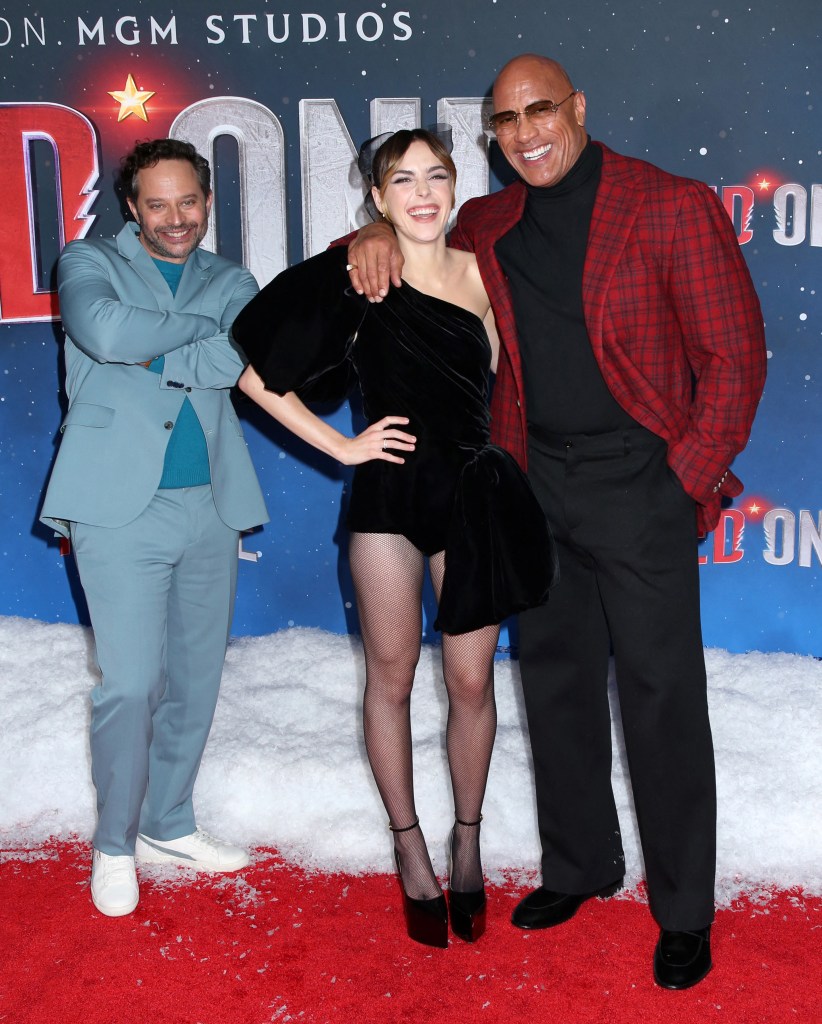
(388, 574)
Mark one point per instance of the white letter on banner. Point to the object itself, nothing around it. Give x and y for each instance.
(402, 25)
(119, 31)
(780, 207)
(816, 215)
(259, 137)
(275, 38)
(39, 36)
(214, 23)
(245, 19)
(332, 190)
(773, 520)
(163, 33)
(465, 116)
(369, 15)
(392, 114)
(307, 19)
(810, 538)
(84, 30)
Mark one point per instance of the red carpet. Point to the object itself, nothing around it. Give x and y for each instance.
(275, 944)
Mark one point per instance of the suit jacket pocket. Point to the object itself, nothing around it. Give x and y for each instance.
(85, 415)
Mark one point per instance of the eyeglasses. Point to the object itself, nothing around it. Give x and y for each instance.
(539, 113)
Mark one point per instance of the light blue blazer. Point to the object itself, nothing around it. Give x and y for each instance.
(118, 312)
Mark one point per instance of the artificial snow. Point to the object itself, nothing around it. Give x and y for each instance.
(285, 766)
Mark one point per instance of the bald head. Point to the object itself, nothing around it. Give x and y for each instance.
(529, 64)
(541, 154)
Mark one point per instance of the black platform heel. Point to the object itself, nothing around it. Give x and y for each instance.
(467, 909)
(425, 920)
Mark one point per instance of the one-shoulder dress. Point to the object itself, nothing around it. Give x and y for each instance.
(425, 358)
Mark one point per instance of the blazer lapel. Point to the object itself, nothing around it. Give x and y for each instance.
(131, 249)
(495, 227)
(194, 282)
(615, 211)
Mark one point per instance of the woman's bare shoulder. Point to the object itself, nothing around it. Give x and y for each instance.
(462, 259)
(467, 282)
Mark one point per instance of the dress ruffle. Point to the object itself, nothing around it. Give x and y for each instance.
(500, 557)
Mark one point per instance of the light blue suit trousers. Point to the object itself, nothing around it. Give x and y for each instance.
(160, 593)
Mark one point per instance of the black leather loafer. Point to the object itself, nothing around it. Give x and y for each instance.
(543, 908)
(682, 959)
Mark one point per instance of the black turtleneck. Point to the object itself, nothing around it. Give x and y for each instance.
(543, 257)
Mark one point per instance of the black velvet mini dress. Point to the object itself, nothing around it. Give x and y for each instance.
(421, 357)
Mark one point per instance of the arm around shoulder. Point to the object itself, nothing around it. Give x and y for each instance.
(375, 261)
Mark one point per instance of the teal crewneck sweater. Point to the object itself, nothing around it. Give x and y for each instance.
(186, 461)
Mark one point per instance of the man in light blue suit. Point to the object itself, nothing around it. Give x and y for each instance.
(153, 483)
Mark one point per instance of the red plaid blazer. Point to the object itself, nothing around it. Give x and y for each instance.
(671, 311)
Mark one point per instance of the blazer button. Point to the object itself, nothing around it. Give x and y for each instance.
(188, 389)
(168, 424)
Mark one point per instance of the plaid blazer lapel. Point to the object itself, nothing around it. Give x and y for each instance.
(615, 212)
(497, 220)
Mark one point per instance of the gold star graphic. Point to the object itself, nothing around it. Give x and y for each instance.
(764, 185)
(132, 101)
(753, 508)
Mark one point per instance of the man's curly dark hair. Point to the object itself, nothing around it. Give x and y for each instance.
(148, 154)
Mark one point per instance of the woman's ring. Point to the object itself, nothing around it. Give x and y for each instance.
(384, 443)
(351, 266)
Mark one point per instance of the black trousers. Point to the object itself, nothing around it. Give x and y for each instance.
(629, 581)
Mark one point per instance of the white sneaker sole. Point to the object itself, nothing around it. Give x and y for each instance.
(149, 855)
(121, 911)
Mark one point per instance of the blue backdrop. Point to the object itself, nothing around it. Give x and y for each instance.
(277, 96)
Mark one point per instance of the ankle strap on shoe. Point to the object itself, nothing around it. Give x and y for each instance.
(468, 824)
(407, 828)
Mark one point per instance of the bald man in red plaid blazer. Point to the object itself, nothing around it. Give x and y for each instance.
(667, 308)
(693, 311)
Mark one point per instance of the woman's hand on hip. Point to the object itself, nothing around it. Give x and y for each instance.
(382, 440)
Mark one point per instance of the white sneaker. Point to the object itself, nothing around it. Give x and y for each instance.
(199, 850)
(114, 888)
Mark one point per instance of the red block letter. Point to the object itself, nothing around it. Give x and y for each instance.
(72, 138)
(745, 195)
(737, 523)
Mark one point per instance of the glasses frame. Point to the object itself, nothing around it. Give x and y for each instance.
(529, 112)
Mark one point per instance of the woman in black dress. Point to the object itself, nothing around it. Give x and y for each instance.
(427, 484)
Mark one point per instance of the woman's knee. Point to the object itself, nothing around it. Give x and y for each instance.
(474, 687)
(391, 672)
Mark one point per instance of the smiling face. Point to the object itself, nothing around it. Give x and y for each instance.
(171, 209)
(541, 155)
(417, 196)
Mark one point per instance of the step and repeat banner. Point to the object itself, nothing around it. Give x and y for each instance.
(278, 96)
